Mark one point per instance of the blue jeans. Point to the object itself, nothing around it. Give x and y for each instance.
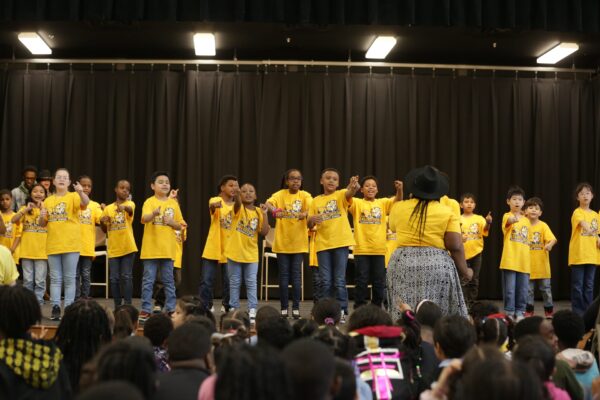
(120, 275)
(34, 277)
(82, 278)
(515, 286)
(582, 286)
(234, 272)
(63, 267)
(209, 271)
(290, 264)
(314, 271)
(544, 287)
(332, 274)
(151, 266)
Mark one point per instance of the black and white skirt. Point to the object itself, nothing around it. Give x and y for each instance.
(419, 273)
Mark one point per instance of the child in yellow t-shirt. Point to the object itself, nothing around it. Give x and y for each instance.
(60, 213)
(474, 228)
(11, 238)
(180, 237)
(88, 219)
(329, 213)
(116, 221)
(584, 253)
(221, 210)
(161, 215)
(290, 206)
(515, 262)
(242, 247)
(369, 216)
(32, 250)
(541, 241)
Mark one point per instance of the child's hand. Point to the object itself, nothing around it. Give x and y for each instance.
(168, 220)
(78, 188)
(173, 193)
(156, 212)
(316, 219)
(102, 206)
(216, 204)
(399, 186)
(184, 225)
(264, 208)
(302, 215)
(105, 220)
(29, 207)
(43, 212)
(488, 218)
(548, 247)
(354, 183)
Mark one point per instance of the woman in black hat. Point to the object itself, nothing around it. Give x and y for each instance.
(430, 249)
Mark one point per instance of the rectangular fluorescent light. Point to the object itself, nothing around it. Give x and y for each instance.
(204, 43)
(34, 43)
(558, 53)
(381, 47)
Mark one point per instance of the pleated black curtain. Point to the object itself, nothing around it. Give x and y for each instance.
(486, 133)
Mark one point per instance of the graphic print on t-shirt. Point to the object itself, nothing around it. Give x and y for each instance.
(519, 235)
(330, 211)
(372, 217)
(58, 213)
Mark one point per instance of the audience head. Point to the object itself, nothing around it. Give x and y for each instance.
(569, 328)
(537, 353)
(264, 313)
(327, 311)
(492, 329)
(453, 336)
(187, 307)
(304, 328)
(187, 342)
(157, 329)
(311, 367)
(203, 321)
(20, 310)
(428, 313)
(536, 325)
(335, 340)
(345, 380)
(368, 315)
(274, 331)
(126, 321)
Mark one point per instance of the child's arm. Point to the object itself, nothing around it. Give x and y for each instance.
(150, 216)
(21, 213)
(399, 185)
(43, 218)
(127, 209)
(352, 188)
(585, 227)
(237, 205)
(453, 243)
(213, 206)
(170, 221)
(2, 227)
(550, 244)
(265, 220)
(488, 222)
(513, 219)
(85, 200)
(15, 245)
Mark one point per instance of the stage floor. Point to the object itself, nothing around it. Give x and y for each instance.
(305, 307)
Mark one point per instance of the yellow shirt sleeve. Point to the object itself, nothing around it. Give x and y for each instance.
(8, 270)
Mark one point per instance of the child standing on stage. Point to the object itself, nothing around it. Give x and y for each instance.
(329, 213)
(220, 208)
(11, 238)
(370, 230)
(584, 253)
(32, 250)
(117, 220)
(60, 213)
(242, 247)
(290, 208)
(515, 262)
(474, 228)
(180, 237)
(541, 241)
(88, 218)
(160, 216)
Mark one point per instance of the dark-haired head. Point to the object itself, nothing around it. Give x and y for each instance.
(304, 328)
(515, 191)
(274, 331)
(157, 174)
(344, 373)
(126, 320)
(30, 198)
(368, 315)
(453, 336)
(189, 341)
(311, 367)
(203, 321)
(535, 352)
(20, 310)
(532, 202)
(265, 312)
(569, 328)
(224, 181)
(327, 311)
(29, 168)
(428, 313)
(468, 196)
(157, 329)
(292, 179)
(334, 340)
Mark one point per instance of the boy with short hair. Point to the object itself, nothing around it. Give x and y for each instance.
(515, 262)
(474, 228)
(541, 241)
(160, 216)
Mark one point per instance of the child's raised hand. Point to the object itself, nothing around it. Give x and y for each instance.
(264, 208)
(548, 247)
(399, 186)
(105, 219)
(216, 204)
(156, 212)
(488, 217)
(173, 193)
(102, 206)
(121, 208)
(30, 206)
(316, 219)
(44, 212)
(78, 188)
(354, 182)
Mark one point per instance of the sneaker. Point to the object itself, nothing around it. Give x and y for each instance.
(252, 315)
(343, 317)
(284, 313)
(55, 313)
(529, 314)
(296, 314)
(143, 317)
(549, 312)
(223, 310)
(212, 309)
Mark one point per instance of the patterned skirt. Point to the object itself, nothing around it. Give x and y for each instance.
(419, 273)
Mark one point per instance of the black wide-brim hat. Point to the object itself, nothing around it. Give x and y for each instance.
(426, 183)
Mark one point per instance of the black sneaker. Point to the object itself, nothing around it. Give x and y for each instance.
(55, 313)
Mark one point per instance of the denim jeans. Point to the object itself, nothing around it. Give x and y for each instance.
(316, 281)
(82, 278)
(235, 270)
(63, 268)
(544, 287)
(34, 277)
(209, 271)
(515, 286)
(369, 268)
(121, 284)
(290, 264)
(582, 286)
(332, 274)
(151, 266)
(471, 289)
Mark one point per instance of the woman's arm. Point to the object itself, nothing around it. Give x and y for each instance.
(453, 243)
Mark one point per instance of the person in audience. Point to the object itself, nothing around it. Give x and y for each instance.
(428, 314)
(187, 307)
(304, 328)
(157, 330)
(346, 380)
(327, 311)
(311, 369)
(126, 321)
(453, 336)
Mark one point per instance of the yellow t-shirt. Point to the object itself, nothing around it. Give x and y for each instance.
(8, 269)
(64, 232)
(13, 231)
(120, 240)
(159, 240)
(290, 232)
(539, 235)
(33, 238)
(334, 231)
(453, 204)
(370, 228)
(473, 229)
(219, 231)
(440, 219)
(242, 245)
(583, 247)
(515, 251)
(180, 237)
(88, 219)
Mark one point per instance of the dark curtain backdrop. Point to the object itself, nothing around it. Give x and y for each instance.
(552, 15)
(486, 133)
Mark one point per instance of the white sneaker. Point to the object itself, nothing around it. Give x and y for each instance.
(343, 317)
(284, 313)
(252, 315)
(296, 314)
(212, 309)
(222, 309)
